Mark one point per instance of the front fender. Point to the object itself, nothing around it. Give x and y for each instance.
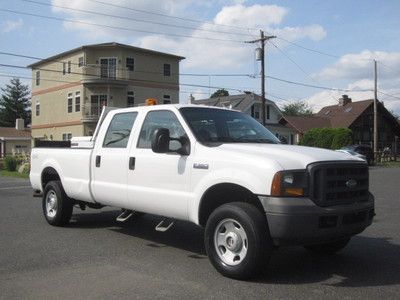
(242, 178)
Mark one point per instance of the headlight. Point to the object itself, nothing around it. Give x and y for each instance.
(291, 183)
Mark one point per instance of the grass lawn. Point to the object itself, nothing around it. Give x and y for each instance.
(389, 164)
(13, 174)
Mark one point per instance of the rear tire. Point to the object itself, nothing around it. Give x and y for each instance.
(237, 240)
(328, 248)
(57, 207)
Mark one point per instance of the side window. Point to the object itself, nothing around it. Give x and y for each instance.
(160, 119)
(119, 130)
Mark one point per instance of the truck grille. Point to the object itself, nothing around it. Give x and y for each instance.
(334, 183)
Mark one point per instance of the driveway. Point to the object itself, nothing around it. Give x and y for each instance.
(97, 258)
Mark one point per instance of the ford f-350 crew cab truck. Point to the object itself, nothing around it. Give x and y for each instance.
(217, 168)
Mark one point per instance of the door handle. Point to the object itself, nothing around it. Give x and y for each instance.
(132, 163)
(98, 161)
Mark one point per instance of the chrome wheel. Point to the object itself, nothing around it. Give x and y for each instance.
(51, 204)
(230, 242)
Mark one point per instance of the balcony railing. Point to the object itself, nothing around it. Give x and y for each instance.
(91, 112)
(97, 71)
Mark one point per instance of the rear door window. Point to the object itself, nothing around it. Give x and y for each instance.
(119, 130)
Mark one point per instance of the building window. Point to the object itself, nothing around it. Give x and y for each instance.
(67, 136)
(64, 67)
(256, 112)
(37, 110)
(130, 99)
(130, 63)
(69, 103)
(77, 101)
(166, 99)
(80, 61)
(167, 70)
(37, 77)
(267, 112)
(69, 67)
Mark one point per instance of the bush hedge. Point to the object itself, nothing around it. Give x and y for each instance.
(328, 138)
(10, 163)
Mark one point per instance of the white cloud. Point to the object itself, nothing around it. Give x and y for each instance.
(251, 16)
(358, 68)
(314, 32)
(325, 98)
(10, 25)
(358, 65)
(202, 53)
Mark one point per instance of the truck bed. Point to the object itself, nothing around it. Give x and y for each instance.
(70, 163)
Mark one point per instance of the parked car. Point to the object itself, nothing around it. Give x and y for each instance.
(217, 168)
(365, 150)
(351, 152)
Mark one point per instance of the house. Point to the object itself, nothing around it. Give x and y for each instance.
(357, 116)
(69, 89)
(15, 140)
(301, 124)
(250, 104)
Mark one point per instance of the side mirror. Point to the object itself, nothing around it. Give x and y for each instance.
(160, 140)
(185, 146)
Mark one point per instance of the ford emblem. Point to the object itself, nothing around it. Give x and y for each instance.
(351, 183)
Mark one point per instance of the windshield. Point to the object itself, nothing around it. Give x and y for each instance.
(216, 126)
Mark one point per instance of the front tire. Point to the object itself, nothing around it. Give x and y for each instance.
(237, 240)
(328, 248)
(57, 207)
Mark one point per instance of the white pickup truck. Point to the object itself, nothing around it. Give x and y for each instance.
(217, 168)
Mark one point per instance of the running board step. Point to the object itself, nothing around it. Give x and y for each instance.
(162, 228)
(125, 215)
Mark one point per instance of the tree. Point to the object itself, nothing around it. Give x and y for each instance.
(14, 103)
(220, 93)
(299, 108)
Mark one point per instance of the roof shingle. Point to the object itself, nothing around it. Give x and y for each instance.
(11, 132)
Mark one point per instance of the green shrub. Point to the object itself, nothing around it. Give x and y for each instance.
(342, 137)
(10, 163)
(328, 138)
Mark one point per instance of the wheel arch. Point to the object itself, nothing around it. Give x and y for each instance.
(49, 174)
(223, 193)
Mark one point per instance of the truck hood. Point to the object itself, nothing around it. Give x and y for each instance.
(288, 156)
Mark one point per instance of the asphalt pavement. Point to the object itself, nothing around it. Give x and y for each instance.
(97, 258)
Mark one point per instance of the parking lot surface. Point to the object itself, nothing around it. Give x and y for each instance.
(98, 258)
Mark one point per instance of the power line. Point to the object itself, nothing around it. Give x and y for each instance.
(187, 74)
(300, 68)
(139, 71)
(116, 27)
(132, 19)
(169, 16)
(118, 78)
(314, 86)
(386, 66)
(389, 95)
(29, 77)
(308, 49)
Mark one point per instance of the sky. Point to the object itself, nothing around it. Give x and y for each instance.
(329, 44)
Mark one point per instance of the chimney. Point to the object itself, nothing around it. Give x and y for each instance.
(20, 124)
(344, 100)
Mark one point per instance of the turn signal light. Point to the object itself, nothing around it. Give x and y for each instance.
(289, 183)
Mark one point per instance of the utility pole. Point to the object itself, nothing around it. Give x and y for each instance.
(375, 111)
(262, 39)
